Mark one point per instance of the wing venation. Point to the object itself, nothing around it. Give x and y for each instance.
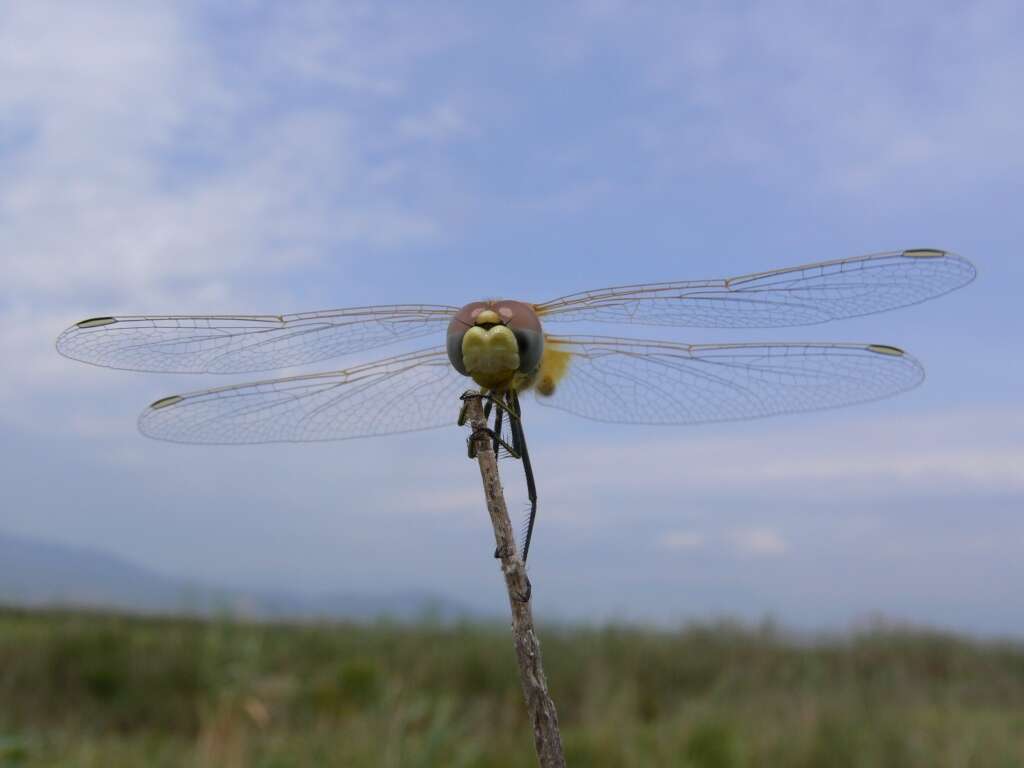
(406, 393)
(244, 343)
(802, 295)
(652, 382)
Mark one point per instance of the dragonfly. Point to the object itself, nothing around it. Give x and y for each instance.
(504, 348)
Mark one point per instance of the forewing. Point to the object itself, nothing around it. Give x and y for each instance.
(243, 344)
(410, 392)
(649, 382)
(804, 295)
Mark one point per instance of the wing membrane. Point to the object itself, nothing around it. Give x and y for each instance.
(804, 295)
(406, 393)
(650, 382)
(244, 343)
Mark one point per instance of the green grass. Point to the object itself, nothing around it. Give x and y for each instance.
(80, 689)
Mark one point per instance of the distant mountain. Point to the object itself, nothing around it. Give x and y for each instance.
(34, 572)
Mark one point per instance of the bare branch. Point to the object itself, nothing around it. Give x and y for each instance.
(546, 736)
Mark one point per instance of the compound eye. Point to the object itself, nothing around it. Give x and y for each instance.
(473, 314)
(506, 313)
(454, 345)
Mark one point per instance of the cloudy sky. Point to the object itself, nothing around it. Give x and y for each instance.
(267, 157)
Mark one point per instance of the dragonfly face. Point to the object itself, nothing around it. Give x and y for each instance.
(499, 344)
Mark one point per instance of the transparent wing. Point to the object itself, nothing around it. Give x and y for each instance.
(650, 382)
(240, 343)
(805, 295)
(406, 393)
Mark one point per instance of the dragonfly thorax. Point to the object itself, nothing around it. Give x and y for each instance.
(496, 343)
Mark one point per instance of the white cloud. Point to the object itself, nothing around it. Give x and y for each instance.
(853, 99)
(98, 201)
(145, 173)
(962, 451)
(441, 123)
(365, 47)
(759, 542)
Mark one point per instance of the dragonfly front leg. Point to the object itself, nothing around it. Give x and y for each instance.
(494, 434)
(497, 428)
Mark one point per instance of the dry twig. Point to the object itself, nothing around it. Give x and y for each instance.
(546, 736)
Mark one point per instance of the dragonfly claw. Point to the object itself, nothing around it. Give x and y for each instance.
(525, 598)
(495, 438)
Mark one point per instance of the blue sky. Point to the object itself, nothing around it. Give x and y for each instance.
(266, 157)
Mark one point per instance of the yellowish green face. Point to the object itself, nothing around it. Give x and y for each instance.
(496, 343)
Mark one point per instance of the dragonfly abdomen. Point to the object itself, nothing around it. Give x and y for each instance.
(554, 364)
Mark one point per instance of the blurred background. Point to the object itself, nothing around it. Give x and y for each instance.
(266, 158)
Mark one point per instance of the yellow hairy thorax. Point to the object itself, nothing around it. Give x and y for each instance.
(554, 364)
(491, 356)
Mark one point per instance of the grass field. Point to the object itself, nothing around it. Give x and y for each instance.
(80, 689)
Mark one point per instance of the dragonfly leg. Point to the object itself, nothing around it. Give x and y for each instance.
(495, 435)
(517, 451)
(497, 427)
(465, 397)
(500, 411)
(525, 598)
(519, 442)
(490, 399)
(499, 553)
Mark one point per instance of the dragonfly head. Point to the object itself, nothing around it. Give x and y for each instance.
(492, 341)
